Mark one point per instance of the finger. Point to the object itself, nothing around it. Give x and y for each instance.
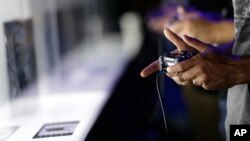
(172, 74)
(178, 74)
(199, 80)
(183, 83)
(176, 27)
(182, 66)
(195, 43)
(153, 67)
(175, 39)
(174, 51)
(190, 74)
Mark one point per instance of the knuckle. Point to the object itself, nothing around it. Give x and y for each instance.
(185, 76)
(206, 87)
(181, 67)
(179, 81)
(199, 69)
(202, 69)
(205, 78)
(202, 80)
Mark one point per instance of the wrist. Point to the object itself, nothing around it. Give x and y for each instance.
(242, 70)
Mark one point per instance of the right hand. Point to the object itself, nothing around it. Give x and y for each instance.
(181, 46)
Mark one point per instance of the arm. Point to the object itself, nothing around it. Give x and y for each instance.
(223, 31)
(211, 68)
(203, 27)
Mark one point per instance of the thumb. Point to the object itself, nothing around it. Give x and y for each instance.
(195, 43)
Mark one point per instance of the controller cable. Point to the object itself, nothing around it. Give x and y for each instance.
(161, 105)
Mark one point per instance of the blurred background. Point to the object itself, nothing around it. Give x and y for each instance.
(70, 70)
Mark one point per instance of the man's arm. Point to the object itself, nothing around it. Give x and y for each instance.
(201, 26)
(223, 31)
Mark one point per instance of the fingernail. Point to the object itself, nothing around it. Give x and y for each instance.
(164, 30)
(167, 69)
(142, 74)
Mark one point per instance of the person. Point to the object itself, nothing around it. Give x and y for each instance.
(211, 26)
(217, 67)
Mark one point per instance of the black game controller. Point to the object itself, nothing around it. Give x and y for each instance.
(169, 59)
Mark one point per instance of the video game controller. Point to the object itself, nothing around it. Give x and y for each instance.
(169, 59)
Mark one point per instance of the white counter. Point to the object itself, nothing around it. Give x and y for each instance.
(76, 91)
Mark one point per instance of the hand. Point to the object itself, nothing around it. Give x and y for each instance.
(194, 24)
(207, 27)
(212, 68)
(167, 15)
(181, 46)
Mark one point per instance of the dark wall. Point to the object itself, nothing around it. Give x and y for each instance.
(113, 9)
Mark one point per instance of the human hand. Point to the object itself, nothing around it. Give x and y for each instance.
(181, 46)
(195, 24)
(178, 18)
(212, 68)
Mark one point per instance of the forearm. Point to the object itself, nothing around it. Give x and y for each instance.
(223, 31)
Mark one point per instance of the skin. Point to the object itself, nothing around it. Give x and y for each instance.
(212, 68)
(195, 24)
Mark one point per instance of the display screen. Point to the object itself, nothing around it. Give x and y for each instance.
(21, 58)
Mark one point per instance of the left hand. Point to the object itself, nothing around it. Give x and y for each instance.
(195, 24)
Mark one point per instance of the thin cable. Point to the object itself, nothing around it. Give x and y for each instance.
(161, 104)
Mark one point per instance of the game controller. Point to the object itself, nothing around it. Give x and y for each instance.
(169, 59)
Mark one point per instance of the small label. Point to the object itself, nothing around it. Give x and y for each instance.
(239, 132)
(57, 129)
